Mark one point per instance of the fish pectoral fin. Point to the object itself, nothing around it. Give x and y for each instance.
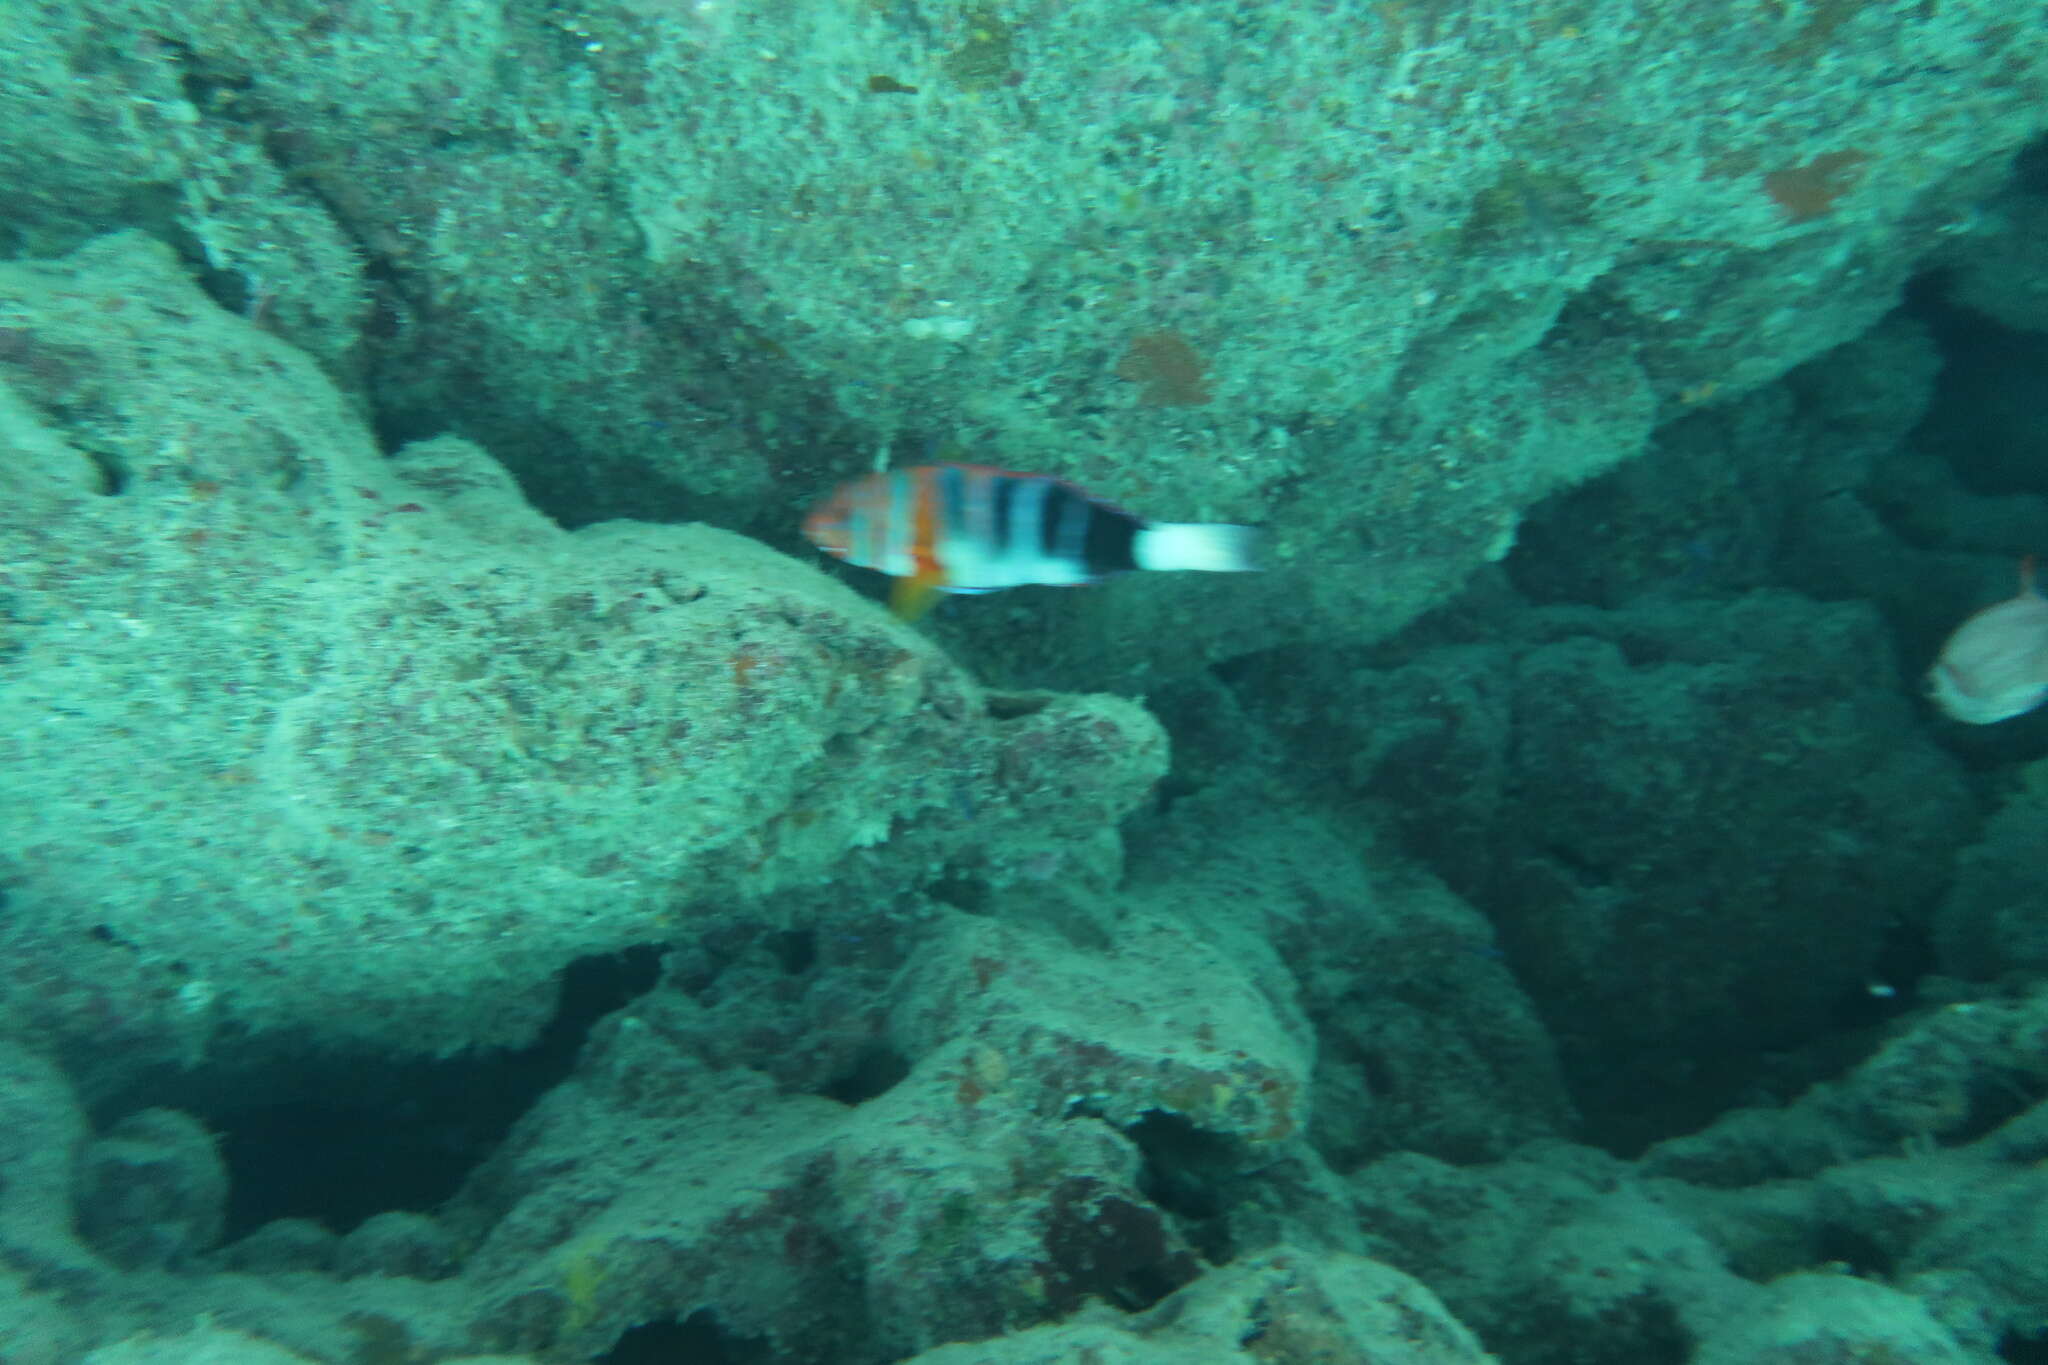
(911, 598)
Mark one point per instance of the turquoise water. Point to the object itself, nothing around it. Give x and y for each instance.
(475, 884)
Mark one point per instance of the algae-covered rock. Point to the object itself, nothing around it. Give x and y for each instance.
(1820, 1317)
(152, 1191)
(303, 739)
(1995, 916)
(205, 1344)
(1380, 277)
(1040, 1123)
(1284, 1306)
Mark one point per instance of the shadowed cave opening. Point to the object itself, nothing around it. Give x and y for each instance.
(1982, 422)
(2021, 1350)
(361, 1136)
(698, 1339)
(873, 1072)
(1194, 1174)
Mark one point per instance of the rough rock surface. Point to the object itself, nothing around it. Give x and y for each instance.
(950, 1024)
(1995, 916)
(1382, 278)
(1714, 1244)
(303, 741)
(1694, 825)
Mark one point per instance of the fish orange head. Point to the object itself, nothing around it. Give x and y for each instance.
(829, 525)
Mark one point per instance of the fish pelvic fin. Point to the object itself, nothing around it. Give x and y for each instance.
(910, 598)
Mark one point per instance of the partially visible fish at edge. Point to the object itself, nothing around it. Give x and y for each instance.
(1995, 665)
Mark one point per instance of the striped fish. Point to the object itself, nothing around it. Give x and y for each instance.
(968, 528)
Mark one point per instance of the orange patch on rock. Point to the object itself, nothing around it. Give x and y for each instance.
(1169, 369)
(1810, 191)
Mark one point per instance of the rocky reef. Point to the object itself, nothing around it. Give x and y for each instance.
(473, 887)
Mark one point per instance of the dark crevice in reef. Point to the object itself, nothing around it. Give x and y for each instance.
(337, 1139)
(1194, 1174)
(1983, 421)
(873, 1072)
(2023, 1350)
(698, 1339)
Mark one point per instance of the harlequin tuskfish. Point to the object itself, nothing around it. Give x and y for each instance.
(968, 528)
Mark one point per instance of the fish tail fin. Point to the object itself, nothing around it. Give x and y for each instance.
(1213, 547)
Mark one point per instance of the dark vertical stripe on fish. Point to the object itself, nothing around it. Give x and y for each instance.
(952, 492)
(1002, 494)
(1070, 537)
(1111, 546)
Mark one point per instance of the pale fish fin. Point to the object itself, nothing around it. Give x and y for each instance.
(1211, 548)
